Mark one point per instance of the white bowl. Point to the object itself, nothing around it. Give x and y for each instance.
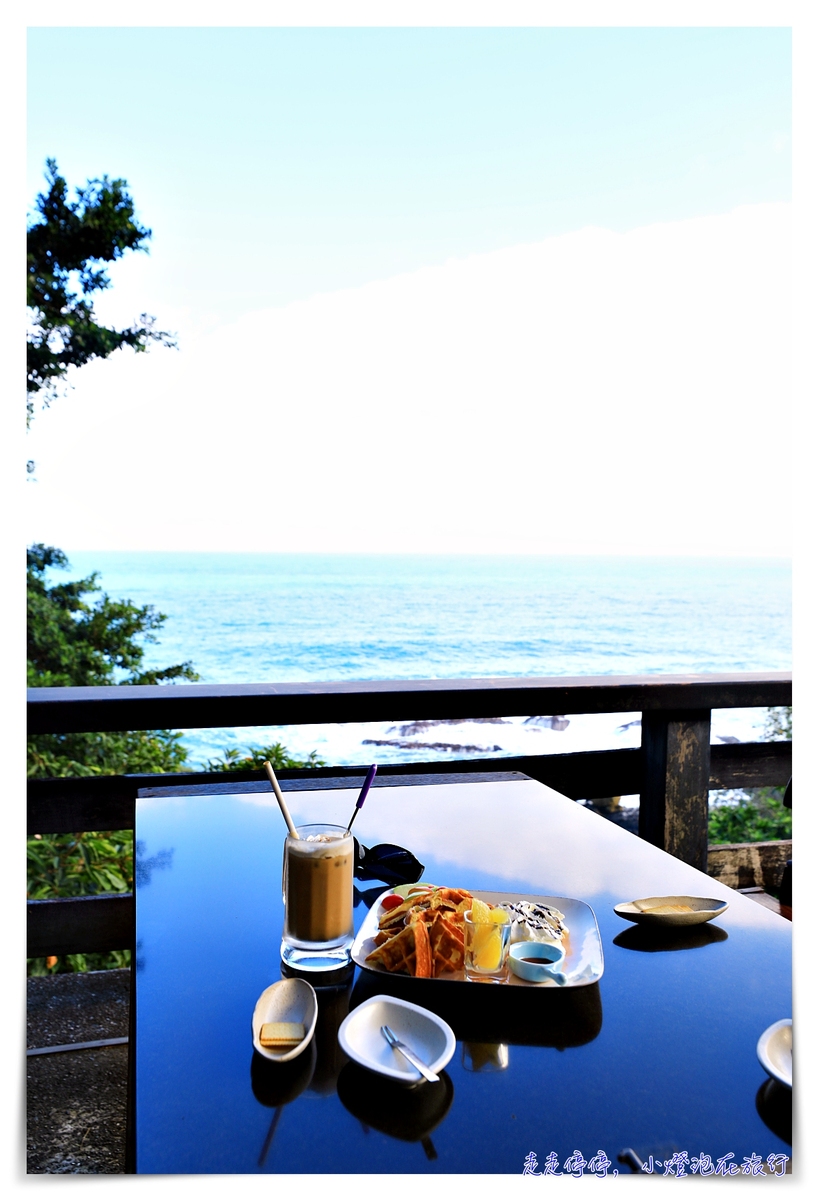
(774, 1051)
(424, 1032)
(287, 1000)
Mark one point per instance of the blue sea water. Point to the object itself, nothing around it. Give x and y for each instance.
(287, 617)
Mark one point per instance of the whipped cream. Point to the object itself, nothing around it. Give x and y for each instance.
(535, 922)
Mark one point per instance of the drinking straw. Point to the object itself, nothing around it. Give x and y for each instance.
(285, 812)
(370, 775)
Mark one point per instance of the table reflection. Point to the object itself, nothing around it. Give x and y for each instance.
(409, 1114)
(774, 1106)
(275, 1085)
(333, 1006)
(500, 1015)
(650, 940)
(485, 1056)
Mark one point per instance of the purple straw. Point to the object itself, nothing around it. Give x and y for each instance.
(370, 775)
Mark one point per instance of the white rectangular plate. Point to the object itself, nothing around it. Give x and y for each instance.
(583, 946)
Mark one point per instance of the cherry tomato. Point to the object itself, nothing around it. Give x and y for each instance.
(390, 902)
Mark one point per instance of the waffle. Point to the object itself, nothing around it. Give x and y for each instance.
(395, 918)
(409, 952)
(424, 935)
(457, 899)
(446, 940)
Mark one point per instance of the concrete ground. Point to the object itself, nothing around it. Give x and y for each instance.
(76, 1100)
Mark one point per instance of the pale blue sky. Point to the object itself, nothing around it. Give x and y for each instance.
(275, 163)
(517, 256)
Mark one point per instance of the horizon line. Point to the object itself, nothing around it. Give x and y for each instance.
(447, 553)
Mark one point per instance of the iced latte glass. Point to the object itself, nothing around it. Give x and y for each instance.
(318, 926)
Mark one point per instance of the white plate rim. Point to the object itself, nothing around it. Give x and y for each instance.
(762, 1051)
(392, 1072)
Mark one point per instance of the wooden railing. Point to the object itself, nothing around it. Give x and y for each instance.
(673, 770)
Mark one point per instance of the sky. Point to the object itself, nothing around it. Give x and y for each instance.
(435, 289)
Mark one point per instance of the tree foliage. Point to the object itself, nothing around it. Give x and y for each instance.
(79, 637)
(75, 643)
(754, 815)
(79, 864)
(69, 243)
(70, 864)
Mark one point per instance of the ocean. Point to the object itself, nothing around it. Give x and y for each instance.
(248, 618)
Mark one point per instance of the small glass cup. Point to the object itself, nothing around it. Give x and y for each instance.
(486, 949)
(318, 875)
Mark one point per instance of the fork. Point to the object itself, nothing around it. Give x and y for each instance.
(408, 1054)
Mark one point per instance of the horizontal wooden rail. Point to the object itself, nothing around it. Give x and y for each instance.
(203, 706)
(750, 764)
(81, 925)
(672, 771)
(107, 801)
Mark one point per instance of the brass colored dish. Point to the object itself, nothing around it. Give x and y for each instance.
(671, 910)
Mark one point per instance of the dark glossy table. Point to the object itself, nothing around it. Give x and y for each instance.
(658, 1056)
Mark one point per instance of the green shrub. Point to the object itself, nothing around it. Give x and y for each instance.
(755, 815)
(254, 758)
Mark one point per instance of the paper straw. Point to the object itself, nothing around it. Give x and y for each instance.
(285, 812)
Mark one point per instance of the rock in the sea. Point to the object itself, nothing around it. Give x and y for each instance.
(401, 744)
(558, 723)
(419, 726)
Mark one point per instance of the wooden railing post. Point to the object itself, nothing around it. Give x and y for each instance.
(673, 803)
